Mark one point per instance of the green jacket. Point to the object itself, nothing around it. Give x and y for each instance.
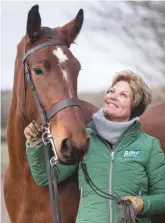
(134, 166)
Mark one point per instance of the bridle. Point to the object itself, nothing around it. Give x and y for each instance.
(47, 137)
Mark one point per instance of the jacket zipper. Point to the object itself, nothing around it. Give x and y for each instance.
(110, 185)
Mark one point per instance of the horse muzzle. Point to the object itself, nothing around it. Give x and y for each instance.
(70, 154)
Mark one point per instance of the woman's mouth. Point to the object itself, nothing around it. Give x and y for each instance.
(112, 104)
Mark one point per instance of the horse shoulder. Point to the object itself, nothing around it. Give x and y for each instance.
(87, 110)
(153, 123)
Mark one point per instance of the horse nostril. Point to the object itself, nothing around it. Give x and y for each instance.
(66, 147)
(70, 152)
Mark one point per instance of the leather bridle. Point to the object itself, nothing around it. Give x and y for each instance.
(47, 137)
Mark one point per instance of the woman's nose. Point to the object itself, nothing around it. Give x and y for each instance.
(114, 96)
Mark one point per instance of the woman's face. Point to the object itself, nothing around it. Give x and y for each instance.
(118, 102)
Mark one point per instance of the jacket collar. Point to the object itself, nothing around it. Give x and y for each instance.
(127, 137)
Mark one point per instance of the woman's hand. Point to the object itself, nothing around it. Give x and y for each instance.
(137, 203)
(32, 132)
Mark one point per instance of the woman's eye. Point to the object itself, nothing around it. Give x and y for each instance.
(38, 71)
(109, 91)
(124, 95)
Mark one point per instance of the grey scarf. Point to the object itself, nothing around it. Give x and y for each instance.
(110, 130)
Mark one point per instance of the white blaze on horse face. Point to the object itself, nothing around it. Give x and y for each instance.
(65, 76)
(60, 55)
(61, 58)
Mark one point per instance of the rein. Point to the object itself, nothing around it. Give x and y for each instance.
(126, 213)
(47, 137)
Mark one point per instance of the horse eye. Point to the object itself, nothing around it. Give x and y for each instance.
(38, 71)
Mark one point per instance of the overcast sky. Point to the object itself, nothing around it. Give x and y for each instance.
(99, 63)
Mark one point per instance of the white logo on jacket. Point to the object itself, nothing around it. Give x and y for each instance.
(132, 154)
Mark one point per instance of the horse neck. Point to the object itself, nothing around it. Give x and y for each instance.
(19, 115)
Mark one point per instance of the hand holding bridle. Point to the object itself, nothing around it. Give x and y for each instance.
(137, 203)
(32, 132)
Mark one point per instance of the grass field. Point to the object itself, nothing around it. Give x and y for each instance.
(4, 150)
(4, 163)
(4, 155)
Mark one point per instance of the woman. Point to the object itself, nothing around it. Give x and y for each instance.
(122, 160)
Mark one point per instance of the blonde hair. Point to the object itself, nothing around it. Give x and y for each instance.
(142, 95)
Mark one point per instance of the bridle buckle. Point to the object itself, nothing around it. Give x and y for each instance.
(47, 138)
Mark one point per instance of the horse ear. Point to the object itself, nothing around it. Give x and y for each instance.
(72, 29)
(33, 29)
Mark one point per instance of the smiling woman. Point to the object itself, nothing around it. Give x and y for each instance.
(122, 163)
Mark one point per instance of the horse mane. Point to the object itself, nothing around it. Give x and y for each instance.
(18, 117)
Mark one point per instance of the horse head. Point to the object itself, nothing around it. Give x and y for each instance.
(54, 70)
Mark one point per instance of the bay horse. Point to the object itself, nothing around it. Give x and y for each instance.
(54, 72)
(153, 123)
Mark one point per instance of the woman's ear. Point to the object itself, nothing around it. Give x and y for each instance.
(72, 29)
(138, 110)
(33, 29)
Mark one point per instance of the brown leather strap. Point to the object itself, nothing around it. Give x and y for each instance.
(61, 105)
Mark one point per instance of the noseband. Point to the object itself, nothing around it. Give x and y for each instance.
(47, 137)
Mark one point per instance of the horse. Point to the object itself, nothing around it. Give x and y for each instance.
(153, 123)
(54, 71)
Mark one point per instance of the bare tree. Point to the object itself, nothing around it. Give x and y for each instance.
(141, 25)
